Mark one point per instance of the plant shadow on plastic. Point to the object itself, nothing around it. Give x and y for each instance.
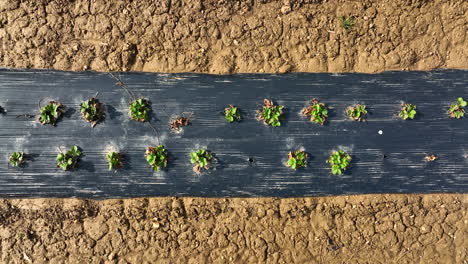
(70, 159)
(201, 160)
(271, 114)
(92, 111)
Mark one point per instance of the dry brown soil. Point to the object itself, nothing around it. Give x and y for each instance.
(226, 36)
(348, 229)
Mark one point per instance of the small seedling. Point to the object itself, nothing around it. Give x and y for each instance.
(357, 112)
(114, 160)
(202, 160)
(69, 159)
(157, 157)
(17, 159)
(408, 111)
(49, 114)
(140, 110)
(271, 114)
(232, 114)
(430, 158)
(179, 122)
(339, 162)
(318, 112)
(347, 22)
(457, 109)
(92, 111)
(297, 159)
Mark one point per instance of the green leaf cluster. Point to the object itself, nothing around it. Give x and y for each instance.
(114, 160)
(140, 110)
(50, 113)
(408, 111)
(271, 114)
(297, 159)
(347, 22)
(69, 159)
(232, 114)
(157, 157)
(201, 158)
(92, 110)
(16, 159)
(457, 109)
(339, 161)
(318, 112)
(357, 112)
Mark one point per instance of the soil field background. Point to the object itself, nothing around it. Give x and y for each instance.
(215, 36)
(235, 37)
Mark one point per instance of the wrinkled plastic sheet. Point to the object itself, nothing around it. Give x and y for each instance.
(388, 162)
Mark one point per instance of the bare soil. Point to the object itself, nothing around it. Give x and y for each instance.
(347, 229)
(214, 36)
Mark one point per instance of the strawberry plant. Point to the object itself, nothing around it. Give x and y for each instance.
(408, 111)
(202, 160)
(297, 159)
(157, 157)
(114, 160)
(179, 122)
(92, 111)
(339, 162)
(357, 112)
(17, 159)
(271, 114)
(69, 159)
(457, 109)
(50, 113)
(318, 112)
(232, 114)
(140, 110)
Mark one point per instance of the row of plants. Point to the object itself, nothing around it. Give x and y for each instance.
(158, 159)
(93, 112)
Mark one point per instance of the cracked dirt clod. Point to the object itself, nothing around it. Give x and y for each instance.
(234, 36)
(346, 229)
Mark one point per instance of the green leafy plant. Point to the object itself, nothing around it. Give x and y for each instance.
(408, 111)
(457, 109)
(339, 162)
(114, 160)
(157, 157)
(202, 160)
(318, 112)
(50, 113)
(232, 114)
(347, 22)
(297, 159)
(17, 159)
(357, 112)
(69, 159)
(140, 110)
(271, 114)
(92, 111)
